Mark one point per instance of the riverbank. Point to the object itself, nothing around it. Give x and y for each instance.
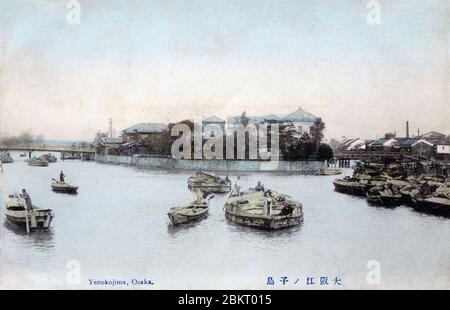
(301, 167)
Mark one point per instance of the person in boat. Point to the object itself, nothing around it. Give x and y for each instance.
(61, 176)
(287, 210)
(268, 206)
(227, 179)
(237, 185)
(27, 199)
(259, 187)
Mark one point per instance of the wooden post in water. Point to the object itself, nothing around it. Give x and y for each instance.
(26, 222)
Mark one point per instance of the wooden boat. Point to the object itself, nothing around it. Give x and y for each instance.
(329, 171)
(436, 203)
(27, 216)
(63, 187)
(384, 197)
(209, 183)
(38, 162)
(388, 195)
(6, 158)
(196, 210)
(408, 191)
(267, 210)
(350, 186)
(49, 157)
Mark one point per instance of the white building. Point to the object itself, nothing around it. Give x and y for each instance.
(301, 119)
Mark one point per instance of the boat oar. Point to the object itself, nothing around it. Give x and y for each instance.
(232, 191)
(27, 225)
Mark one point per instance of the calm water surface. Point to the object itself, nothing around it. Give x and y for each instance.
(117, 228)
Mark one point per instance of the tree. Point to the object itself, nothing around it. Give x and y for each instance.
(325, 152)
(26, 138)
(316, 131)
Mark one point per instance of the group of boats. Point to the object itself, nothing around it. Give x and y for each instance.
(20, 210)
(41, 161)
(256, 207)
(423, 186)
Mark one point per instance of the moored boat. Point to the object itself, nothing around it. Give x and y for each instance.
(350, 186)
(329, 171)
(209, 183)
(38, 162)
(6, 158)
(384, 196)
(20, 211)
(194, 211)
(49, 157)
(267, 209)
(438, 202)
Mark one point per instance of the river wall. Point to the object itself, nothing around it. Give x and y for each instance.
(305, 167)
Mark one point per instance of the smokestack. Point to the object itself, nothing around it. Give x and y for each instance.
(407, 129)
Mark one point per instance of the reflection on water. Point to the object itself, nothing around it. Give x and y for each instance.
(40, 240)
(117, 227)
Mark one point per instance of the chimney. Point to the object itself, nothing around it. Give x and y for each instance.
(407, 129)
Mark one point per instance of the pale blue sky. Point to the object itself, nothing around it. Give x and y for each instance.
(161, 61)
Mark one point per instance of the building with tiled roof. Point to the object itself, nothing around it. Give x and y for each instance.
(300, 118)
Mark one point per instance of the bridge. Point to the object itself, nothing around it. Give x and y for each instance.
(359, 155)
(67, 152)
(344, 157)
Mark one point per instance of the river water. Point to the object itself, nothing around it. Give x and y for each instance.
(116, 229)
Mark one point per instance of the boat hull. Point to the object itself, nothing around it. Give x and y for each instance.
(329, 171)
(178, 219)
(65, 190)
(432, 207)
(349, 189)
(38, 164)
(263, 222)
(385, 201)
(211, 188)
(41, 221)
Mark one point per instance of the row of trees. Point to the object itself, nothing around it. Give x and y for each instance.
(23, 138)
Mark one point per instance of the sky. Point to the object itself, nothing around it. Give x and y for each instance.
(164, 61)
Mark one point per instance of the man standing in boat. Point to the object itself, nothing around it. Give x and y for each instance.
(237, 185)
(61, 176)
(27, 199)
(259, 187)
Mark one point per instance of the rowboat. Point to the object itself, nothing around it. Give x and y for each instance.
(209, 183)
(20, 211)
(194, 211)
